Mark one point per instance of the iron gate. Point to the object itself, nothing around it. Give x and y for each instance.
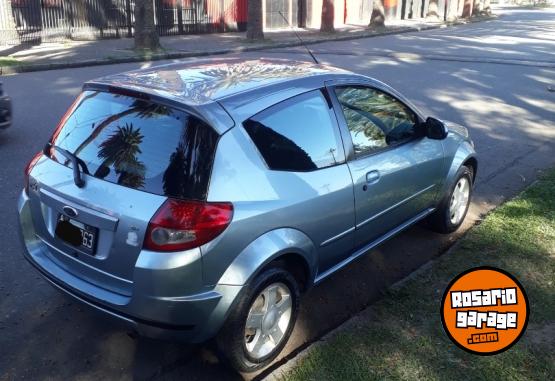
(24, 21)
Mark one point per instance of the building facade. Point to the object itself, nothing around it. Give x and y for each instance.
(50, 20)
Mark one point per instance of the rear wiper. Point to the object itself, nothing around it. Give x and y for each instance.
(75, 163)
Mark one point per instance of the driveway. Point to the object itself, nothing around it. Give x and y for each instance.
(492, 77)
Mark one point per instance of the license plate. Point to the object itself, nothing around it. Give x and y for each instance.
(77, 234)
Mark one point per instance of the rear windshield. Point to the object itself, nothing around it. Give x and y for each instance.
(139, 144)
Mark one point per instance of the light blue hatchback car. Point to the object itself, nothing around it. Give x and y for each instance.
(198, 200)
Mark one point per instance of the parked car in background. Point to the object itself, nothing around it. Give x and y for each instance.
(5, 109)
(193, 201)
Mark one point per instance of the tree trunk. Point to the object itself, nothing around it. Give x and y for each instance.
(254, 20)
(477, 8)
(7, 23)
(146, 36)
(328, 14)
(433, 10)
(467, 9)
(377, 18)
(487, 8)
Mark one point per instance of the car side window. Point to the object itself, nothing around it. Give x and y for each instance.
(375, 119)
(298, 134)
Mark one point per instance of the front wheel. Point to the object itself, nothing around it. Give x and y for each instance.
(260, 325)
(452, 210)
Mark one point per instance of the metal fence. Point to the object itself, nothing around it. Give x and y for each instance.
(32, 21)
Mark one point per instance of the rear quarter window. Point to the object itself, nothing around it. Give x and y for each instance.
(139, 144)
(298, 134)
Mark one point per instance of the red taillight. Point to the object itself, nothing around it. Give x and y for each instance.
(29, 168)
(181, 225)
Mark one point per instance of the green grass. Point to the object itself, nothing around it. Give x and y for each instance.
(404, 340)
(9, 61)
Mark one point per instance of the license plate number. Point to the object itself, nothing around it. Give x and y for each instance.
(77, 234)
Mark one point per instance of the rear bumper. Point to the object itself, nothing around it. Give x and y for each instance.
(189, 318)
(5, 112)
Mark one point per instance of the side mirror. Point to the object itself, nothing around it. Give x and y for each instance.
(435, 129)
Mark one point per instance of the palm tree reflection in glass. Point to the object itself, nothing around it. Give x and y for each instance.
(120, 152)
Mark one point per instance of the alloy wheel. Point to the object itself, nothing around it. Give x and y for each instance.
(268, 320)
(459, 201)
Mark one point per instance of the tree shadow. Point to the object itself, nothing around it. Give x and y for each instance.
(506, 108)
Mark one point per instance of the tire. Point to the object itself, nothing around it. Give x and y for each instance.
(441, 220)
(233, 341)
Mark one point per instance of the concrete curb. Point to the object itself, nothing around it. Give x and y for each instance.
(25, 68)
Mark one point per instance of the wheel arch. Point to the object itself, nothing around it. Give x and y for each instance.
(287, 247)
(295, 264)
(472, 162)
(462, 154)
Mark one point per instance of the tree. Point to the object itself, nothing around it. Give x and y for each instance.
(254, 20)
(467, 8)
(146, 36)
(139, 107)
(433, 10)
(328, 14)
(377, 18)
(477, 8)
(120, 151)
(487, 7)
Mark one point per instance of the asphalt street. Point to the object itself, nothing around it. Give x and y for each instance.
(491, 76)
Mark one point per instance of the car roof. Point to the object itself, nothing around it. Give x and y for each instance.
(202, 82)
(226, 91)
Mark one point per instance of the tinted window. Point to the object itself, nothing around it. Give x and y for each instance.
(139, 144)
(296, 135)
(375, 119)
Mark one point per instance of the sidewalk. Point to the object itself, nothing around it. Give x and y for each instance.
(48, 56)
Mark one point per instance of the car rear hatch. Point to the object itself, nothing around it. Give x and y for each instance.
(133, 154)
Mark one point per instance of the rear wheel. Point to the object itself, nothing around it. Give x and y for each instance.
(260, 325)
(453, 208)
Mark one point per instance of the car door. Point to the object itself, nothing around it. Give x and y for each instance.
(311, 185)
(396, 169)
